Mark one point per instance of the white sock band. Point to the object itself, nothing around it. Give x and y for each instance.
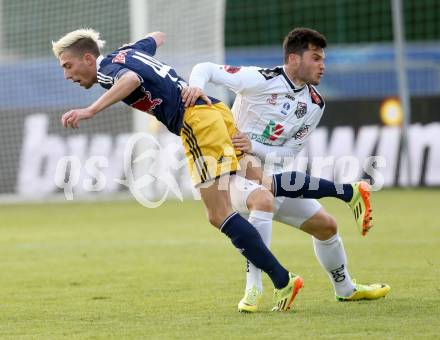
(262, 221)
(331, 256)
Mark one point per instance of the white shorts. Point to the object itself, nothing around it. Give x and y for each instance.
(291, 211)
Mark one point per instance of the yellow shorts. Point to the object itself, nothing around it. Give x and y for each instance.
(206, 136)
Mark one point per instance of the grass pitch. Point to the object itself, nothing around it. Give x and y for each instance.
(120, 271)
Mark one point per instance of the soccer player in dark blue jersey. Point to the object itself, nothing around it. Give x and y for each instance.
(131, 74)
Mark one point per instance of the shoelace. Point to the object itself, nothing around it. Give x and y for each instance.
(360, 287)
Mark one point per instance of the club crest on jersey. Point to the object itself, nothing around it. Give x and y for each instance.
(232, 69)
(286, 108)
(145, 103)
(120, 57)
(273, 99)
(272, 130)
(302, 132)
(301, 110)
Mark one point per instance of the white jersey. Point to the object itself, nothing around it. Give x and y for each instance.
(277, 116)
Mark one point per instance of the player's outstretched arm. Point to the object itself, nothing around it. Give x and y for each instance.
(236, 79)
(122, 88)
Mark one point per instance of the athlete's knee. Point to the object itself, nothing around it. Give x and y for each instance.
(261, 200)
(215, 221)
(217, 204)
(216, 217)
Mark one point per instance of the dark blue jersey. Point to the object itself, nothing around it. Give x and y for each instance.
(160, 91)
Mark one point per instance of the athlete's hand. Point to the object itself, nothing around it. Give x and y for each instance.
(242, 142)
(191, 93)
(72, 118)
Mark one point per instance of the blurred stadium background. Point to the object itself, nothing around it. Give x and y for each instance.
(115, 270)
(362, 115)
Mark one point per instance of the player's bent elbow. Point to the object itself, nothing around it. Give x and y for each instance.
(159, 37)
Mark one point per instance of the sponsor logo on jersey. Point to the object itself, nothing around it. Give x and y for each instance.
(145, 103)
(301, 110)
(273, 99)
(272, 131)
(302, 132)
(120, 57)
(286, 108)
(232, 69)
(289, 96)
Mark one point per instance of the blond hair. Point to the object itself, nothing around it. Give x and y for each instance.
(89, 37)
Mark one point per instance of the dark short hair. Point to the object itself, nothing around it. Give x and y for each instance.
(298, 40)
(84, 45)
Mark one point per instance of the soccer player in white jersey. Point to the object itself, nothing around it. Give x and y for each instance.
(276, 110)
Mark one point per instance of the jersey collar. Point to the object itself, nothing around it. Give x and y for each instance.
(98, 62)
(291, 84)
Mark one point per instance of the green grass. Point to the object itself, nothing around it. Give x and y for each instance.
(120, 271)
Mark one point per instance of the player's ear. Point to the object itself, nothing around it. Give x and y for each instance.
(294, 58)
(89, 59)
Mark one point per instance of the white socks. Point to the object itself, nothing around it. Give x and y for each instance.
(331, 256)
(262, 221)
